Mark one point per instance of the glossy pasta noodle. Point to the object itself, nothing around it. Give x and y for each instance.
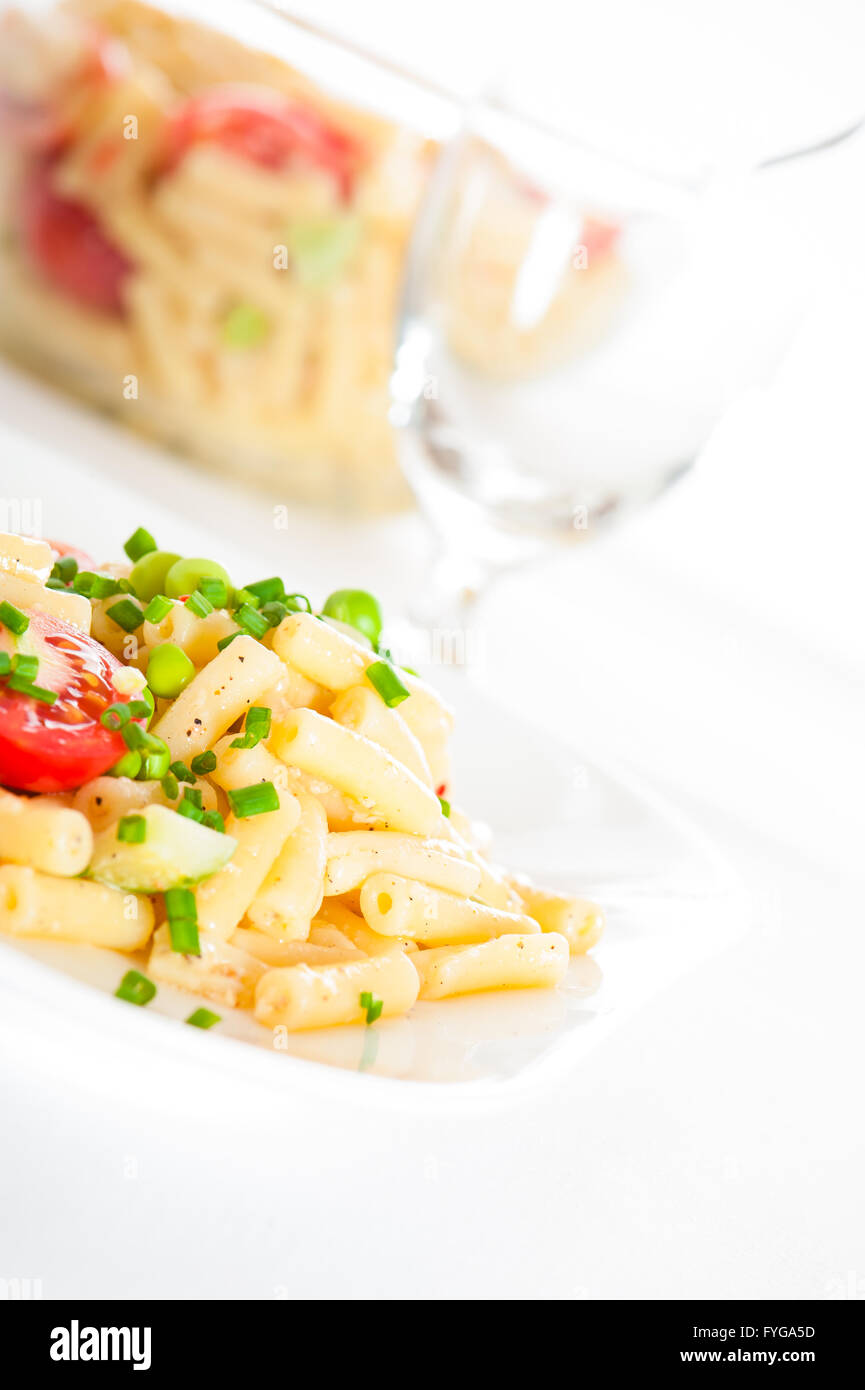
(264, 817)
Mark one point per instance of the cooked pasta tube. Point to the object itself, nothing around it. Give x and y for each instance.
(43, 836)
(21, 591)
(493, 887)
(106, 799)
(24, 556)
(197, 636)
(354, 855)
(508, 962)
(364, 771)
(71, 909)
(223, 972)
(392, 906)
(241, 767)
(274, 953)
(579, 921)
(333, 659)
(291, 893)
(224, 898)
(318, 996)
(218, 695)
(364, 711)
(322, 934)
(336, 914)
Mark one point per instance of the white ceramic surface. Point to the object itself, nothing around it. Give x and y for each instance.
(555, 815)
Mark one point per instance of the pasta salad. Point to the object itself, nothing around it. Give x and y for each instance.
(252, 794)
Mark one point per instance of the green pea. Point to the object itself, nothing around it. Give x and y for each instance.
(357, 608)
(185, 576)
(169, 671)
(148, 573)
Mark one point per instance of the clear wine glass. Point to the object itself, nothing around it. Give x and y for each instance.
(573, 327)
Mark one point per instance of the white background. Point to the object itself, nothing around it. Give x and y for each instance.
(714, 1147)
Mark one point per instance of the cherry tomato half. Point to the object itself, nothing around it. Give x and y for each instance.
(51, 748)
(67, 244)
(265, 128)
(85, 561)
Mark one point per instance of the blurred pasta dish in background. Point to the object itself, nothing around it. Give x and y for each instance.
(204, 243)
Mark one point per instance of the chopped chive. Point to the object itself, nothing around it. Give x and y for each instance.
(115, 716)
(199, 605)
(92, 585)
(127, 766)
(297, 603)
(140, 543)
(13, 619)
(158, 608)
(104, 586)
(181, 772)
(372, 1004)
(169, 786)
(182, 921)
(251, 621)
(213, 820)
(25, 666)
(214, 589)
(257, 727)
(246, 596)
(445, 805)
(140, 709)
(51, 583)
(203, 1018)
(226, 641)
(266, 589)
(65, 568)
(126, 614)
(189, 809)
(274, 612)
(383, 678)
(38, 692)
(132, 830)
(259, 716)
(192, 794)
(5, 663)
(146, 697)
(180, 902)
(154, 765)
(135, 988)
(254, 800)
(184, 935)
(203, 762)
(135, 737)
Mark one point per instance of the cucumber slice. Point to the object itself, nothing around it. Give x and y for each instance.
(176, 852)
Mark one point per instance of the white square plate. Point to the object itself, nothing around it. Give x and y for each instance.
(670, 901)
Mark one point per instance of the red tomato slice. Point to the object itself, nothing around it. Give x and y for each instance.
(598, 237)
(51, 748)
(264, 127)
(67, 244)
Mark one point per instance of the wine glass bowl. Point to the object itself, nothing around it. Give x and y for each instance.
(573, 327)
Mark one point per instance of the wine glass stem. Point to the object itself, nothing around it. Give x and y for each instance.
(447, 600)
